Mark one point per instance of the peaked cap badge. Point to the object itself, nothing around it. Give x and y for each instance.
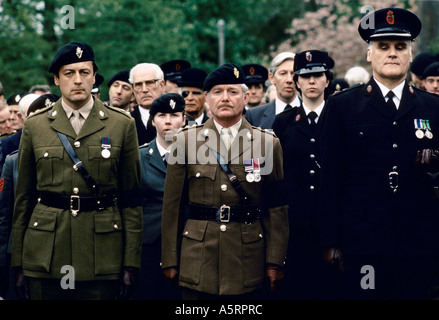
(390, 17)
(308, 56)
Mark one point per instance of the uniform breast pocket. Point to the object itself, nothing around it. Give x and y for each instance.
(201, 183)
(105, 169)
(49, 162)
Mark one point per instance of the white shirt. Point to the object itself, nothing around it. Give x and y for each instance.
(144, 114)
(317, 110)
(162, 150)
(397, 91)
(280, 105)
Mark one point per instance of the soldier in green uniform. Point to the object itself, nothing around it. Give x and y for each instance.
(77, 224)
(224, 227)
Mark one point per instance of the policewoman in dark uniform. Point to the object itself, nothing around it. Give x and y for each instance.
(299, 131)
(378, 206)
(78, 218)
(236, 229)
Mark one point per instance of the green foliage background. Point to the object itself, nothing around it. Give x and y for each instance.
(126, 32)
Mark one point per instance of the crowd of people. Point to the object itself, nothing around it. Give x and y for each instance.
(280, 183)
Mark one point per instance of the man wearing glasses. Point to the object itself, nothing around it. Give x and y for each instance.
(148, 84)
(191, 86)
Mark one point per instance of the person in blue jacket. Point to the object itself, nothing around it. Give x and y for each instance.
(167, 114)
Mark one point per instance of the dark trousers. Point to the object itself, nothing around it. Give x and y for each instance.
(152, 284)
(387, 278)
(189, 294)
(50, 289)
(307, 275)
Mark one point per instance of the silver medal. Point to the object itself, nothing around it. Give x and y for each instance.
(105, 153)
(257, 177)
(250, 177)
(419, 134)
(428, 134)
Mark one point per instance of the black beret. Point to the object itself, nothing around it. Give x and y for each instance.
(390, 23)
(192, 77)
(422, 61)
(122, 75)
(311, 61)
(255, 73)
(15, 98)
(167, 103)
(432, 70)
(72, 52)
(228, 73)
(173, 69)
(98, 81)
(43, 101)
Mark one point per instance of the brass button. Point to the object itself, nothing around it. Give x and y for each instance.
(198, 175)
(74, 214)
(77, 144)
(35, 223)
(75, 190)
(223, 227)
(116, 226)
(224, 187)
(46, 154)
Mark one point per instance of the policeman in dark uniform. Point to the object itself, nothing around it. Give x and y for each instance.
(173, 70)
(255, 77)
(299, 131)
(77, 209)
(378, 210)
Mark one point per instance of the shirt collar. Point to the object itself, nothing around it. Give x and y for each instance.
(234, 128)
(280, 105)
(84, 110)
(317, 110)
(162, 150)
(397, 90)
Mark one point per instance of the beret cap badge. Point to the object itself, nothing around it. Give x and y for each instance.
(79, 52)
(172, 104)
(236, 72)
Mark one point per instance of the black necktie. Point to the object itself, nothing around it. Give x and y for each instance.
(390, 102)
(287, 107)
(312, 116)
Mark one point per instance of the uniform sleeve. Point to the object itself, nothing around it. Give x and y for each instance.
(26, 194)
(275, 219)
(129, 190)
(172, 214)
(6, 207)
(331, 176)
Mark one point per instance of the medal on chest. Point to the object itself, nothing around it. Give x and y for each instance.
(105, 147)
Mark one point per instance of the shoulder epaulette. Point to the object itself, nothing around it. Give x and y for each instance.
(358, 85)
(422, 90)
(40, 111)
(124, 112)
(270, 131)
(187, 127)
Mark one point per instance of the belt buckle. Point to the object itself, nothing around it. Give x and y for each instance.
(393, 180)
(75, 204)
(224, 213)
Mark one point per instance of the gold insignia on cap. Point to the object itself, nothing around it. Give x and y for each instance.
(79, 52)
(172, 104)
(236, 72)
